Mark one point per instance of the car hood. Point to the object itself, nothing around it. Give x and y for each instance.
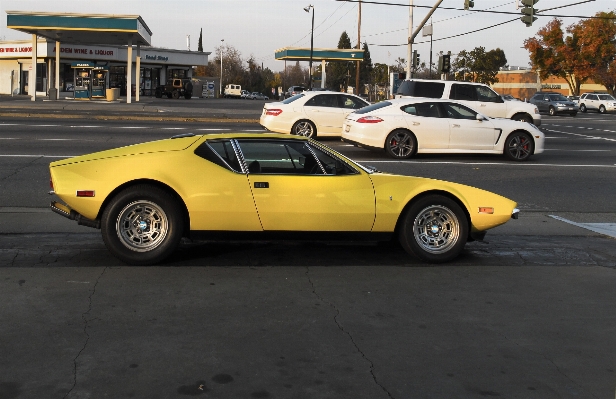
(176, 144)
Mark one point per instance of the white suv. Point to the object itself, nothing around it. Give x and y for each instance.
(478, 96)
(601, 102)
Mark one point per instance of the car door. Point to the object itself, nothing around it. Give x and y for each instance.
(424, 120)
(324, 111)
(298, 187)
(466, 132)
(480, 98)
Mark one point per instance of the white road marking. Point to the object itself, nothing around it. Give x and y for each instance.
(130, 127)
(46, 125)
(582, 135)
(174, 128)
(608, 229)
(558, 149)
(84, 126)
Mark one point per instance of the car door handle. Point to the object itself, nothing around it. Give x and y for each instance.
(416, 123)
(483, 105)
(455, 125)
(261, 184)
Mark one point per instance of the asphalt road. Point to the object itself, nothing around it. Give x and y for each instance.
(527, 315)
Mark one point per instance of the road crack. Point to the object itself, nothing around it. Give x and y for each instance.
(341, 328)
(86, 322)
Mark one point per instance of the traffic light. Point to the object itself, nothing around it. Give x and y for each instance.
(529, 12)
(468, 4)
(415, 63)
(446, 63)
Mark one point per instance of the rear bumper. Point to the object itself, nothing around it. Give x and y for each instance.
(69, 213)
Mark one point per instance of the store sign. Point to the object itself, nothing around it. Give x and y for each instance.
(156, 58)
(12, 49)
(85, 51)
(550, 87)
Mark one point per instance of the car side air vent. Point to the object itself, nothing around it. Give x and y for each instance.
(180, 136)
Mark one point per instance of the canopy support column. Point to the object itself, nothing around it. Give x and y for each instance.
(129, 71)
(138, 73)
(32, 77)
(323, 74)
(57, 69)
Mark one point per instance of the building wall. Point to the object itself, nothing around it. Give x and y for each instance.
(8, 69)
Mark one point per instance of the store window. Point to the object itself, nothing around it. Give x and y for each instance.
(176, 73)
(117, 78)
(149, 81)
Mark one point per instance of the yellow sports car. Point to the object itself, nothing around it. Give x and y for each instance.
(146, 197)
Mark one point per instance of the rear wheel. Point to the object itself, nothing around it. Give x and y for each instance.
(175, 94)
(187, 96)
(304, 128)
(434, 229)
(142, 225)
(583, 108)
(519, 146)
(401, 144)
(158, 93)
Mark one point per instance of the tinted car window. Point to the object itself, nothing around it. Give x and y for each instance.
(557, 97)
(373, 107)
(591, 97)
(421, 89)
(291, 99)
(458, 111)
(351, 102)
(279, 157)
(428, 110)
(463, 92)
(323, 100)
(605, 97)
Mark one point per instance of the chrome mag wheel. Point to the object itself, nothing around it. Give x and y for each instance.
(142, 226)
(304, 128)
(436, 229)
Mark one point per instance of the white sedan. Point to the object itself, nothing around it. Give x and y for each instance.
(310, 113)
(407, 126)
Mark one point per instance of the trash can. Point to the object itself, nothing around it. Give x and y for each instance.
(112, 94)
(53, 93)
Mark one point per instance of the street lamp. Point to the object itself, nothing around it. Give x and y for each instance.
(221, 43)
(307, 9)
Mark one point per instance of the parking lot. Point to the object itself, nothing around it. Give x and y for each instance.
(527, 314)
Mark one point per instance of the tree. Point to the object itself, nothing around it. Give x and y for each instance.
(554, 54)
(365, 68)
(478, 65)
(340, 72)
(598, 48)
(200, 43)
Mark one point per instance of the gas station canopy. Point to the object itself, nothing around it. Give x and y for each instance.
(82, 28)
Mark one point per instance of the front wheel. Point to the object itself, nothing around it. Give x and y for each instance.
(304, 128)
(175, 94)
(434, 229)
(583, 108)
(519, 146)
(552, 111)
(401, 144)
(142, 225)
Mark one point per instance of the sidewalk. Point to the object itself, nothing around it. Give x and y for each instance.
(148, 108)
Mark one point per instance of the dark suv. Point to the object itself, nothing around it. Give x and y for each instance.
(554, 103)
(175, 88)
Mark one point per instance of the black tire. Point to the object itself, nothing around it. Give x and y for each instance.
(519, 146)
(522, 118)
(188, 86)
(304, 128)
(601, 109)
(401, 144)
(175, 94)
(552, 111)
(583, 108)
(434, 229)
(142, 225)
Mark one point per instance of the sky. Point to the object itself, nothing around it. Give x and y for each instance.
(257, 28)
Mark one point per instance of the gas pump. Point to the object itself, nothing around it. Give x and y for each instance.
(82, 72)
(99, 79)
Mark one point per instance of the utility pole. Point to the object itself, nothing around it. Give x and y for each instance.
(358, 47)
(409, 50)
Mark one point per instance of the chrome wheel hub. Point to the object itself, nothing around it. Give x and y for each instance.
(142, 226)
(436, 229)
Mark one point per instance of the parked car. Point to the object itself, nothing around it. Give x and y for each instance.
(232, 91)
(475, 95)
(175, 88)
(258, 96)
(575, 99)
(310, 113)
(293, 90)
(262, 187)
(245, 94)
(554, 103)
(406, 126)
(601, 102)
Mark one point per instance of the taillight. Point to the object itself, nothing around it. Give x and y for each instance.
(273, 112)
(369, 119)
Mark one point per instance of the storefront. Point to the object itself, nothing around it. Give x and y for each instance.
(81, 66)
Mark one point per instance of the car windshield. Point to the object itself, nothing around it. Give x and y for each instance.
(558, 97)
(291, 99)
(373, 107)
(605, 97)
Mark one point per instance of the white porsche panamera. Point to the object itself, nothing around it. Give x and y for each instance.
(407, 126)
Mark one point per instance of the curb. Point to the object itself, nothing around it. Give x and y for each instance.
(128, 117)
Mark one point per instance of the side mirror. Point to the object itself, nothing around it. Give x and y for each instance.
(480, 118)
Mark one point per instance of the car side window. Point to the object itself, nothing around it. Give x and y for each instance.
(349, 102)
(487, 95)
(221, 153)
(323, 100)
(463, 92)
(427, 110)
(458, 111)
(278, 157)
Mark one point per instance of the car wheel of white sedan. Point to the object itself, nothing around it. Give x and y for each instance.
(401, 144)
(304, 128)
(142, 225)
(519, 146)
(434, 229)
